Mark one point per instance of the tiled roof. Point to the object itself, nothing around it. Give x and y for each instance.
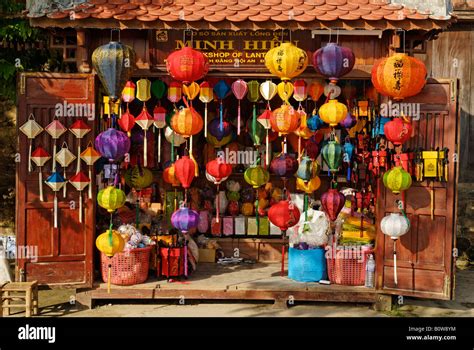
(233, 12)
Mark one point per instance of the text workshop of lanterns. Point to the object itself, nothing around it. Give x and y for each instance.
(180, 163)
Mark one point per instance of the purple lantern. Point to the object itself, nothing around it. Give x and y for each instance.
(348, 122)
(112, 144)
(333, 61)
(284, 165)
(184, 219)
(214, 128)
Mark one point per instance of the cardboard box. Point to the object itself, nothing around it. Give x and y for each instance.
(207, 255)
(240, 226)
(228, 226)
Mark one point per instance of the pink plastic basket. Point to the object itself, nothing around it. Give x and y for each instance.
(346, 266)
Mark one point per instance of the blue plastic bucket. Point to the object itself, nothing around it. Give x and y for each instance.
(307, 265)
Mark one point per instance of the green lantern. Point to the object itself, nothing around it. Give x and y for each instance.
(111, 198)
(397, 180)
(138, 177)
(256, 176)
(256, 131)
(332, 155)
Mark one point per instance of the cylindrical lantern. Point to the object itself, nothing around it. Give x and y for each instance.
(333, 112)
(397, 180)
(286, 61)
(333, 61)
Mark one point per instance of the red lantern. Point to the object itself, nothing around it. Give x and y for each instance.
(397, 131)
(284, 215)
(218, 169)
(332, 202)
(127, 122)
(169, 176)
(187, 65)
(185, 170)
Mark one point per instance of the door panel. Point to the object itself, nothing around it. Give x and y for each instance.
(424, 254)
(65, 253)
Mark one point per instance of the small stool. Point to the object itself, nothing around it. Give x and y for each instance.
(24, 293)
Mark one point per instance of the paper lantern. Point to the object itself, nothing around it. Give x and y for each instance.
(268, 90)
(169, 176)
(332, 155)
(332, 202)
(284, 165)
(144, 121)
(253, 94)
(284, 215)
(286, 61)
(40, 157)
(187, 122)
(256, 176)
(284, 120)
(80, 181)
(300, 92)
(158, 89)
(191, 91)
(172, 137)
(285, 90)
(112, 144)
(126, 122)
(307, 169)
(55, 129)
(399, 76)
(185, 219)
(333, 112)
(185, 169)
(138, 177)
(114, 63)
(187, 65)
(247, 209)
(333, 61)
(31, 129)
(395, 225)
(240, 89)
(256, 131)
(316, 89)
(315, 123)
(218, 130)
(348, 152)
(308, 186)
(90, 156)
(348, 122)
(55, 181)
(206, 95)
(174, 92)
(312, 148)
(79, 129)
(128, 92)
(222, 90)
(111, 198)
(218, 169)
(398, 131)
(65, 157)
(110, 243)
(397, 180)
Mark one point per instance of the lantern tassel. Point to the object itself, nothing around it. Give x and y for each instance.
(299, 149)
(238, 119)
(221, 116)
(78, 166)
(217, 204)
(80, 206)
(283, 249)
(267, 149)
(90, 183)
(145, 150)
(395, 279)
(54, 155)
(64, 187)
(40, 185)
(159, 145)
(257, 217)
(55, 210)
(205, 120)
(30, 167)
(185, 256)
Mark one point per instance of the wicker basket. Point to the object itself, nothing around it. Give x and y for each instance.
(347, 266)
(127, 268)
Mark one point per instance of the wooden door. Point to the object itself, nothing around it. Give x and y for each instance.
(64, 254)
(425, 253)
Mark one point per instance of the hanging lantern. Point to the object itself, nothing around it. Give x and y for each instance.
(348, 153)
(172, 137)
(348, 122)
(215, 129)
(332, 202)
(308, 186)
(284, 215)
(128, 92)
(268, 90)
(114, 63)
(219, 171)
(240, 89)
(187, 122)
(145, 121)
(143, 90)
(90, 156)
(159, 122)
(185, 219)
(333, 61)
(264, 120)
(285, 90)
(284, 120)
(397, 180)
(169, 176)
(104, 245)
(111, 198)
(127, 122)
(303, 132)
(333, 112)
(253, 94)
(31, 129)
(332, 155)
(40, 157)
(286, 61)
(191, 91)
(315, 123)
(284, 165)
(256, 176)
(80, 181)
(307, 169)
(138, 177)
(312, 148)
(112, 144)
(222, 90)
(65, 157)
(158, 89)
(395, 225)
(300, 92)
(174, 92)
(55, 181)
(185, 170)
(187, 65)
(399, 76)
(206, 95)
(55, 129)
(398, 131)
(80, 129)
(256, 132)
(316, 89)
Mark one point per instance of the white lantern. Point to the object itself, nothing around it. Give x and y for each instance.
(333, 89)
(395, 225)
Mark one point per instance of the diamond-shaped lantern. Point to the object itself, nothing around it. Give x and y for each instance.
(31, 129)
(80, 181)
(40, 156)
(65, 157)
(55, 181)
(80, 129)
(90, 156)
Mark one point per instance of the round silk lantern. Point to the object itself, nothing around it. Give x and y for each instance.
(110, 243)
(111, 198)
(399, 76)
(315, 123)
(112, 144)
(332, 155)
(332, 203)
(172, 137)
(308, 186)
(286, 61)
(114, 63)
(284, 120)
(395, 225)
(256, 176)
(284, 215)
(268, 90)
(307, 169)
(284, 165)
(185, 219)
(187, 122)
(185, 170)
(397, 180)
(333, 112)
(348, 122)
(398, 131)
(239, 88)
(138, 177)
(333, 61)
(218, 130)
(187, 65)
(247, 209)
(285, 90)
(169, 176)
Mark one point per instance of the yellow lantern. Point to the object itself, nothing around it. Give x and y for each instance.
(285, 90)
(107, 246)
(286, 61)
(256, 176)
(191, 91)
(397, 180)
(309, 186)
(111, 198)
(333, 112)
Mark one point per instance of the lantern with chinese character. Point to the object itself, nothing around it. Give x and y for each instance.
(286, 61)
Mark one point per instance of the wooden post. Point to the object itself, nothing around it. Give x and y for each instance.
(35, 300)
(28, 301)
(82, 54)
(6, 303)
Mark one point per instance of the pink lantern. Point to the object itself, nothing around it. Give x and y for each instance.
(239, 88)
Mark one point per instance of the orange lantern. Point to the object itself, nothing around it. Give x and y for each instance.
(187, 122)
(285, 119)
(169, 176)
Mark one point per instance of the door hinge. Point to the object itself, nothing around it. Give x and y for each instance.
(22, 84)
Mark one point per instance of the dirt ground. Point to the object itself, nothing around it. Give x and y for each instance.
(61, 303)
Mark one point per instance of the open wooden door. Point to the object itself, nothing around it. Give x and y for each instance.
(64, 254)
(425, 253)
